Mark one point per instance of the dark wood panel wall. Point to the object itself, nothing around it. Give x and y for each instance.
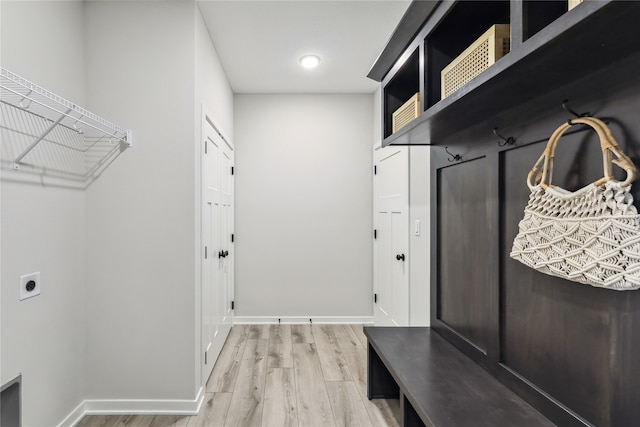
(568, 348)
(463, 306)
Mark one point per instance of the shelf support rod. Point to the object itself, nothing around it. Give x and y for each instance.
(16, 163)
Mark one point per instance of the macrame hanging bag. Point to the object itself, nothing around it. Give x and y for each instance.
(589, 236)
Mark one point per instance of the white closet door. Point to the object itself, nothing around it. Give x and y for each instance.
(217, 196)
(226, 230)
(391, 258)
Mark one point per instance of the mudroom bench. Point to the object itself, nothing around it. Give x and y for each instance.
(437, 384)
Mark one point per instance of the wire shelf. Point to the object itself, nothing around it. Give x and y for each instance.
(45, 134)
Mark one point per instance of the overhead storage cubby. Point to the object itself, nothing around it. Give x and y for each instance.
(552, 43)
(405, 84)
(538, 14)
(449, 39)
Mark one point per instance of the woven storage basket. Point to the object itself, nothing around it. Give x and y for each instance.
(574, 3)
(483, 53)
(407, 112)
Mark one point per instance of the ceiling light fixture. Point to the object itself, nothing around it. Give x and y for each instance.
(309, 61)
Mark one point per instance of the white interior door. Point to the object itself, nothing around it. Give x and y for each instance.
(226, 239)
(217, 214)
(391, 219)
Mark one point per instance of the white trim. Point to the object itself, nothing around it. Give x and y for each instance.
(292, 320)
(135, 407)
(74, 417)
(209, 119)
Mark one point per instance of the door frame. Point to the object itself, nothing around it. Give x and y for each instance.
(379, 316)
(208, 121)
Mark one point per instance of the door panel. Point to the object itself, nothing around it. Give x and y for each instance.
(208, 324)
(391, 280)
(217, 205)
(226, 229)
(400, 268)
(384, 275)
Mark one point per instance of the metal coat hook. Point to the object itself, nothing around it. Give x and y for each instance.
(566, 108)
(505, 141)
(454, 157)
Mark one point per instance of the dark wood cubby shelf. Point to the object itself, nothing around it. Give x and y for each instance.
(551, 47)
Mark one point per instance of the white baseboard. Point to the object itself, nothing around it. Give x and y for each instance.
(293, 320)
(134, 407)
(74, 417)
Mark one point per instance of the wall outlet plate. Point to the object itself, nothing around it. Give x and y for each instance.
(30, 285)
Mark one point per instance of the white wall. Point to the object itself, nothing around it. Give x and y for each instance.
(43, 227)
(118, 319)
(419, 246)
(213, 94)
(141, 230)
(143, 293)
(211, 84)
(377, 117)
(303, 206)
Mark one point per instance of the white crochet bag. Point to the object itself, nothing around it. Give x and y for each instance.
(589, 236)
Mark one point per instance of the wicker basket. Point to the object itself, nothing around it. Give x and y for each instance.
(407, 112)
(483, 53)
(574, 3)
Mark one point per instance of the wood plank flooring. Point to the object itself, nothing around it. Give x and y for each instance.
(282, 376)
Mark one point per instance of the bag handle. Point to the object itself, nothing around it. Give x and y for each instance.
(607, 143)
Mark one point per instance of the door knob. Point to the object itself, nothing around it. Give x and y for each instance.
(400, 257)
(220, 254)
(226, 254)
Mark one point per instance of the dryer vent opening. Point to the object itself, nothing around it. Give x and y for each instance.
(10, 403)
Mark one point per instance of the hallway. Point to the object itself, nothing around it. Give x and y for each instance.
(282, 375)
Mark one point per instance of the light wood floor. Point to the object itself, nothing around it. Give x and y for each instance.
(280, 376)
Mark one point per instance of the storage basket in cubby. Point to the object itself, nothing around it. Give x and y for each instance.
(483, 53)
(407, 112)
(574, 3)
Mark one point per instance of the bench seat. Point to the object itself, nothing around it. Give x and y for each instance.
(437, 384)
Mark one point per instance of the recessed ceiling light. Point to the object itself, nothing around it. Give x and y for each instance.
(309, 61)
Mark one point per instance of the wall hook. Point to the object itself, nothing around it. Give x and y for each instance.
(505, 141)
(566, 108)
(454, 157)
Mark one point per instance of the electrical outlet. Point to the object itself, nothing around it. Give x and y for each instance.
(30, 285)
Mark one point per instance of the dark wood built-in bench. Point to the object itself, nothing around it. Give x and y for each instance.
(437, 384)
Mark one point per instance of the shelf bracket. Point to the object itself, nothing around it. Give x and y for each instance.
(16, 162)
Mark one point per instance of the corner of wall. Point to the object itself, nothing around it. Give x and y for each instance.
(43, 227)
(420, 246)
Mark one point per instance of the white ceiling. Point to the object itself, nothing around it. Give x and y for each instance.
(260, 42)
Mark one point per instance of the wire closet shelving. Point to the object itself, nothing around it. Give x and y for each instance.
(45, 135)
